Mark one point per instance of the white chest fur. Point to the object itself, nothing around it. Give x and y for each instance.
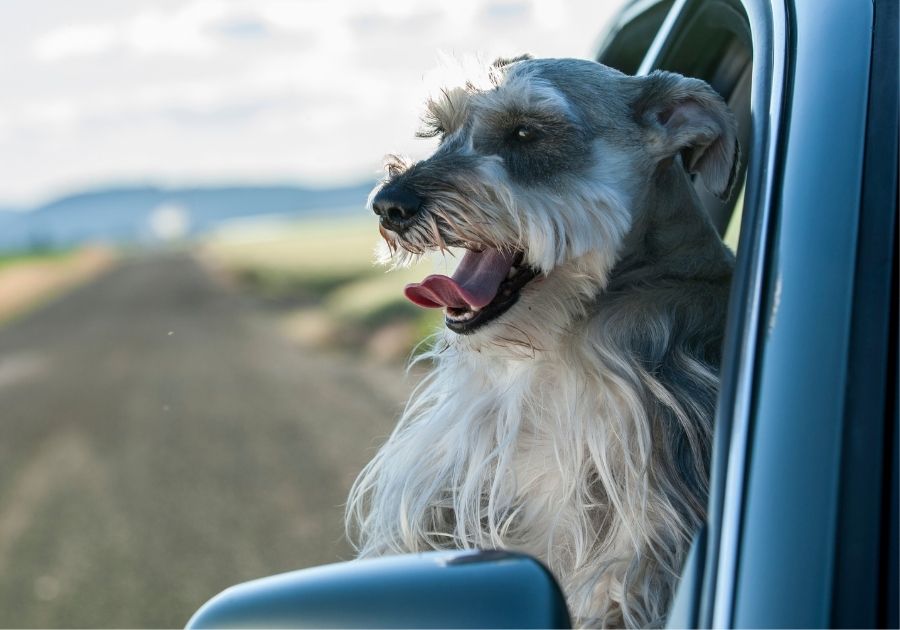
(531, 454)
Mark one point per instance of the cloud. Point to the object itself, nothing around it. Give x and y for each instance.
(195, 88)
(186, 31)
(75, 40)
(197, 28)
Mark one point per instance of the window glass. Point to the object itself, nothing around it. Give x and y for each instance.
(733, 232)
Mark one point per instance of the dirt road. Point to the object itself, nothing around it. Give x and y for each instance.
(160, 441)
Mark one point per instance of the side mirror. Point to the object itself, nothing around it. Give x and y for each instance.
(439, 589)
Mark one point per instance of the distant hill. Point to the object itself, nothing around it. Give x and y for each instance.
(147, 214)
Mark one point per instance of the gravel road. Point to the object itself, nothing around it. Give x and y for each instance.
(160, 441)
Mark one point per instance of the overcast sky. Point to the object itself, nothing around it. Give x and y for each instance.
(98, 92)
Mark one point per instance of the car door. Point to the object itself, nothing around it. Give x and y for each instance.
(802, 524)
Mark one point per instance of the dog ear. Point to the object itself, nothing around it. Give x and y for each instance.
(684, 115)
(500, 62)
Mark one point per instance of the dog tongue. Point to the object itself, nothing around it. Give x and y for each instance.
(473, 285)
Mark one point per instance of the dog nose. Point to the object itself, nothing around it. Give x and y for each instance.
(396, 206)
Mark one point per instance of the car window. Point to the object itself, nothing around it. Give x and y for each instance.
(801, 504)
(629, 36)
(711, 41)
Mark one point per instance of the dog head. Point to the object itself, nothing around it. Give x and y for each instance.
(542, 167)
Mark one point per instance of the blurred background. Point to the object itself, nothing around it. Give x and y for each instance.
(197, 354)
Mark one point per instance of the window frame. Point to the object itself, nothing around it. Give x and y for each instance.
(731, 576)
(715, 548)
(741, 582)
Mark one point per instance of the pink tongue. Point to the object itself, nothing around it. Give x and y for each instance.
(473, 285)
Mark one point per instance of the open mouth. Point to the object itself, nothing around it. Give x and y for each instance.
(484, 286)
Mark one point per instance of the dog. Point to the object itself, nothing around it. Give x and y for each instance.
(568, 410)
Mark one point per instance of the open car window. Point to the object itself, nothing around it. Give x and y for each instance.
(811, 323)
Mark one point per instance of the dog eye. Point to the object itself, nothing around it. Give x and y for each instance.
(523, 133)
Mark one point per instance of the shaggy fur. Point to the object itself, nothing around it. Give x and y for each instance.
(576, 426)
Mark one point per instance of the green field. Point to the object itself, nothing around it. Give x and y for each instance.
(321, 274)
(10, 259)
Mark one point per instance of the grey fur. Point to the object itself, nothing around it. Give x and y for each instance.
(576, 426)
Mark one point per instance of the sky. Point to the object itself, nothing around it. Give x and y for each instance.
(112, 92)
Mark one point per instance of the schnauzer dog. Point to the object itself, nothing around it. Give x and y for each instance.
(568, 411)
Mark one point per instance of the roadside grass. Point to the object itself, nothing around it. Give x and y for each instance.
(49, 255)
(320, 276)
(30, 279)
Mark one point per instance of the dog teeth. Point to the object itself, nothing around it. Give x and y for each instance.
(460, 315)
(512, 272)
